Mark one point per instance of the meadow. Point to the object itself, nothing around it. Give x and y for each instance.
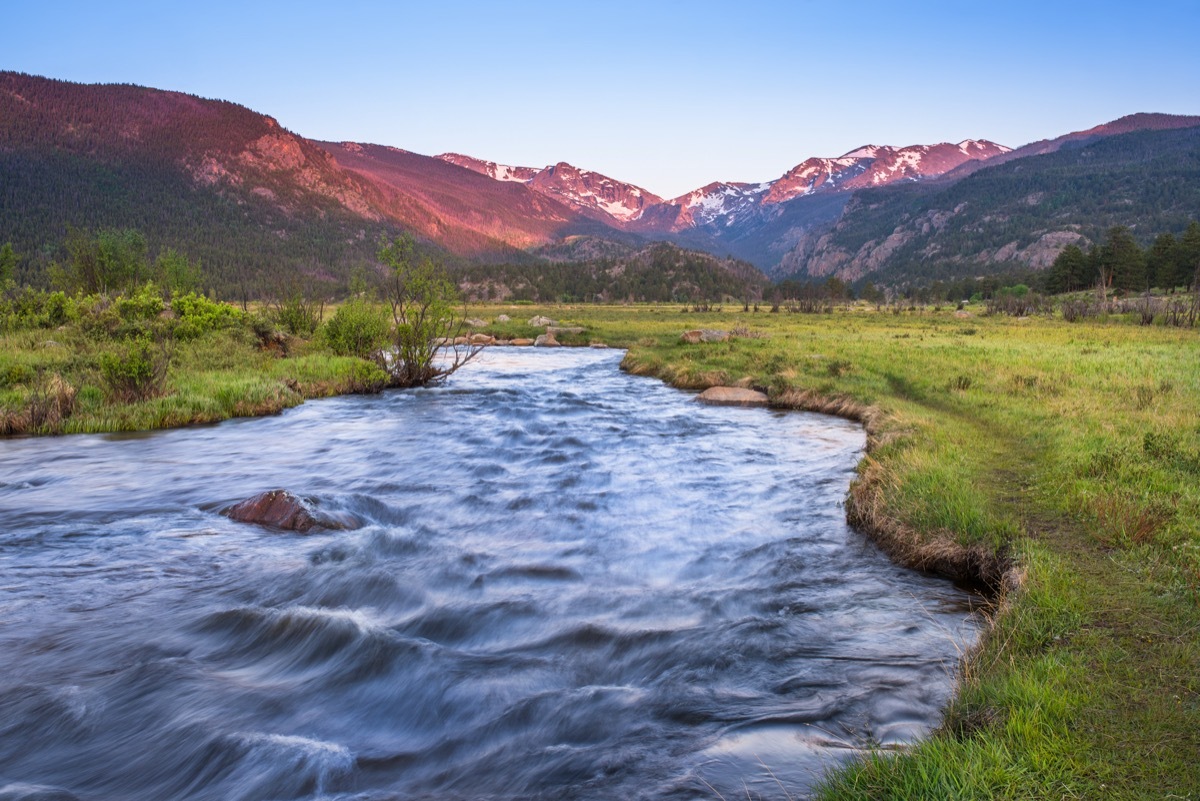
(1054, 466)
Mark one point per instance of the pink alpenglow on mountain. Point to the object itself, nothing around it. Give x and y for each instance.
(723, 204)
(874, 165)
(589, 192)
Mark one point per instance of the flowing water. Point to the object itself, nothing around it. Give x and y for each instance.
(570, 583)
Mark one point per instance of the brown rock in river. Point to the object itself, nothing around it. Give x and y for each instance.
(733, 396)
(281, 509)
(521, 341)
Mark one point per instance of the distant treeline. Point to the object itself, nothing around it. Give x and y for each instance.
(1169, 264)
(658, 273)
(113, 261)
(1120, 263)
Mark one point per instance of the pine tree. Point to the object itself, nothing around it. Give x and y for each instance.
(1069, 272)
(1123, 260)
(8, 266)
(1161, 262)
(1187, 263)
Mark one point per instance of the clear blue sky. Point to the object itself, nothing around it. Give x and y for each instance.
(668, 95)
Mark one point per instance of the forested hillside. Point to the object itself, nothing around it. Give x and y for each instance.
(659, 272)
(213, 179)
(1012, 216)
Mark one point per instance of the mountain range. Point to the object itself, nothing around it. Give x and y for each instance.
(253, 199)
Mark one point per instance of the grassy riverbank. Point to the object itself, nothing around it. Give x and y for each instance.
(1069, 451)
(53, 382)
(1059, 463)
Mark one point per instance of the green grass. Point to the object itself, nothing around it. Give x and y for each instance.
(220, 375)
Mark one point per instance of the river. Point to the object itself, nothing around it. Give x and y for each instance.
(570, 583)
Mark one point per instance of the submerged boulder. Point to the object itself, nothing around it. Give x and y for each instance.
(733, 396)
(284, 510)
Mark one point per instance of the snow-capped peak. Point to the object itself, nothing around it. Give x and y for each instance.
(864, 152)
(975, 148)
(591, 191)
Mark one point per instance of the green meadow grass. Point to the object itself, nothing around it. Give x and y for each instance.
(218, 376)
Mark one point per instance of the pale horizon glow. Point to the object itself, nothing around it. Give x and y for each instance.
(669, 96)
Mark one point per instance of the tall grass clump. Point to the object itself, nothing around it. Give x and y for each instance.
(137, 370)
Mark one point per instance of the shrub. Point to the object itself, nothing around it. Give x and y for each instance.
(197, 315)
(16, 375)
(138, 371)
(358, 328)
(298, 315)
(143, 304)
(1014, 305)
(131, 316)
(1078, 309)
(33, 308)
(59, 309)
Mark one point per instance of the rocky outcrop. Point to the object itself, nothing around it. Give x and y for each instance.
(284, 510)
(541, 321)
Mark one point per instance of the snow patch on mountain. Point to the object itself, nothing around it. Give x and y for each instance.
(724, 204)
(721, 204)
(499, 172)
